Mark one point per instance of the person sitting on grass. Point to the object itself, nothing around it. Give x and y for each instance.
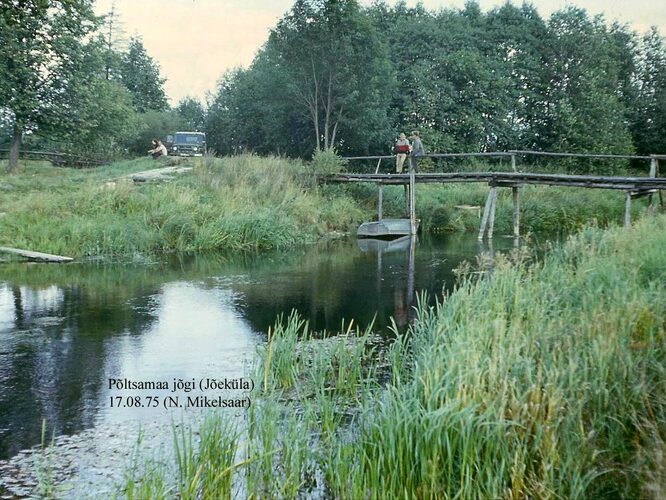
(158, 150)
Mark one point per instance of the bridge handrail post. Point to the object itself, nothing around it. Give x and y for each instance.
(379, 162)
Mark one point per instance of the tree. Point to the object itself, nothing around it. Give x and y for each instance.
(451, 85)
(335, 66)
(154, 125)
(323, 79)
(112, 38)
(245, 114)
(517, 38)
(5, 127)
(40, 56)
(141, 76)
(192, 112)
(649, 123)
(105, 121)
(102, 120)
(585, 112)
(334, 74)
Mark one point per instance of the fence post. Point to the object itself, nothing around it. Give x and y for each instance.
(513, 162)
(627, 210)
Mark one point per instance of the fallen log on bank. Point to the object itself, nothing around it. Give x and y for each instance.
(43, 257)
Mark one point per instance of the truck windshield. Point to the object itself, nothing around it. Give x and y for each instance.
(188, 139)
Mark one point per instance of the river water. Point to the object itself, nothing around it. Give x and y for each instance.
(65, 330)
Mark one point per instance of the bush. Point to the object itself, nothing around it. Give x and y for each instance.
(327, 162)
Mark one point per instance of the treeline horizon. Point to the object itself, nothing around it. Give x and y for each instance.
(334, 74)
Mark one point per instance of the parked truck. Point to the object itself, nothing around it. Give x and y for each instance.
(186, 144)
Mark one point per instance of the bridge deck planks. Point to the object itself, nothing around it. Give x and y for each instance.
(508, 179)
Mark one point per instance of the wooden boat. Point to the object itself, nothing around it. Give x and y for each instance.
(385, 228)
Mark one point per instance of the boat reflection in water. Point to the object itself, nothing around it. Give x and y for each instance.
(403, 292)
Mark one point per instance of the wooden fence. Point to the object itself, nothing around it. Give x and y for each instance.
(58, 159)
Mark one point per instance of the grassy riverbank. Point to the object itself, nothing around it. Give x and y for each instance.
(242, 203)
(236, 203)
(543, 381)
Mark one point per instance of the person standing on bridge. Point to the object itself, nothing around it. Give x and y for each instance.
(417, 150)
(401, 150)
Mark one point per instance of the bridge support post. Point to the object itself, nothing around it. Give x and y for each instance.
(491, 221)
(656, 172)
(653, 173)
(486, 212)
(380, 201)
(627, 210)
(407, 195)
(650, 207)
(515, 194)
(412, 203)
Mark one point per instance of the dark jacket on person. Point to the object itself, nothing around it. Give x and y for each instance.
(417, 147)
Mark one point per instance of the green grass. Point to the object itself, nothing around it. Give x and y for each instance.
(238, 203)
(545, 382)
(203, 465)
(540, 381)
(247, 203)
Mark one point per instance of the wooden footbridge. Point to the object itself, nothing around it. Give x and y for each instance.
(633, 187)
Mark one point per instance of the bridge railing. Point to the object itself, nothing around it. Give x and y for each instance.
(508, 161)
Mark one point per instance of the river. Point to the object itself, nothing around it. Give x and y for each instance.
(66, 330)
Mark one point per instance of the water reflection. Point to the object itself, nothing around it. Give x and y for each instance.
(198, 332)
(403, 290)
(64, 330)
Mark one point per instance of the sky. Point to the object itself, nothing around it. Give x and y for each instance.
(196, 41)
